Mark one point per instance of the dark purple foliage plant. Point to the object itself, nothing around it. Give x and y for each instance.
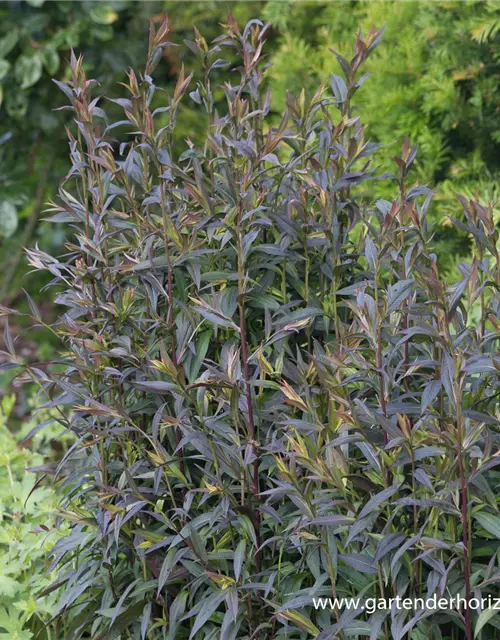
(275, 396)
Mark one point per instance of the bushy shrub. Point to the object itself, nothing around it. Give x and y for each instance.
(275, 394)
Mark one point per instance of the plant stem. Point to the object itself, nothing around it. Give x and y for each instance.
(170, 316)
(248, 391)
(465, 518)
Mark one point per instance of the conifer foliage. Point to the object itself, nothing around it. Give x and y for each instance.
(275, 395)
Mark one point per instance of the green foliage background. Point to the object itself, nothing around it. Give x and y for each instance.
(436, 80)
(26, 528)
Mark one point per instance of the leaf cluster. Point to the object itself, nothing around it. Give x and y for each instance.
(28, 531)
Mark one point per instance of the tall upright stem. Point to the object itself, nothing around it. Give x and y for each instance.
(381, 384)
(465, 513)
(170, 315)
(248, 391)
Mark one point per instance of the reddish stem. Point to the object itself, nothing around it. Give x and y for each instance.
(171, 324)
(248, 393)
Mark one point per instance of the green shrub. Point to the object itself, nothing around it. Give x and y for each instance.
(275, 395)
(434, 80)
(27, 534)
